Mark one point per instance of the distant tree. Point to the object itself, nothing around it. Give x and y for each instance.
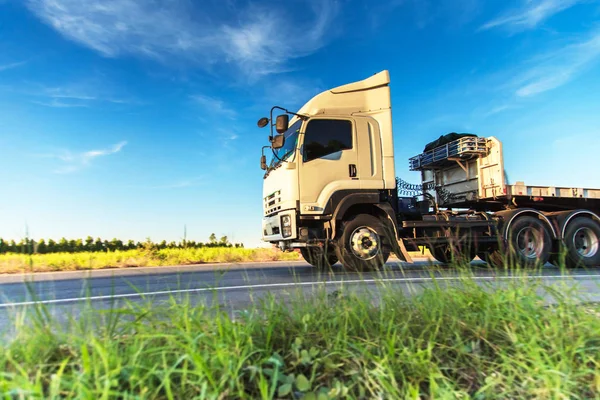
(21, 247)
(162, 245)
(99, 245)
(89, 244)
(72, 246)
(62, 245)
(3, 246)
(172, 245)
(52, 246)
(42, 247)
(224, 241)
(116, 244)
(130, 245)
(212, 239)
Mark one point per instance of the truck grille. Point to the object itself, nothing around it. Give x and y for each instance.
(272, 203)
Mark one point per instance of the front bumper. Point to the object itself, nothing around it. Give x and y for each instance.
(273, 230)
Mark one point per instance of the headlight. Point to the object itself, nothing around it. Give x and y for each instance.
(286, 225)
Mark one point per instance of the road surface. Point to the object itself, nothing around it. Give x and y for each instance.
(237, 286)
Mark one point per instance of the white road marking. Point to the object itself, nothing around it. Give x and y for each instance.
(283, 285)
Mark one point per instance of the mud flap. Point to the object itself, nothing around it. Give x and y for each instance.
(401, 253)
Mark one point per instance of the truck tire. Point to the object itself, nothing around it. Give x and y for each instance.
(529, 244)
(582, 242)
(364, 243)
(315, 256)
(447, 254)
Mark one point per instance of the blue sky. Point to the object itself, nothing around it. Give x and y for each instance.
(133, 118)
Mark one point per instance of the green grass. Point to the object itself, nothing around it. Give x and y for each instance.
(444, 343)
(12, 263)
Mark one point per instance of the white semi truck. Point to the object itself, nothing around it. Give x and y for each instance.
(330, 190)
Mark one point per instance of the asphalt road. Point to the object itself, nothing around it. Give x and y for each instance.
(237, 286)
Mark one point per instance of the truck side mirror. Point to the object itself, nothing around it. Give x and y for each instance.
(263, 162)
(263, 122)
(278, 141)
(282, 123)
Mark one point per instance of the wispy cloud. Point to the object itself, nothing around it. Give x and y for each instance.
(259, 40)
(12, 65)
(56, 103)
(82, 94)
(75, 161)
(214, 105)
(558, 67)
(263, 43)
(530, 14)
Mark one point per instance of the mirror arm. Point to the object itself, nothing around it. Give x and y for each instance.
(262, 153)
(304, 117)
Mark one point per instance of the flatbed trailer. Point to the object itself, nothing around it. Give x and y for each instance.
(464, 189)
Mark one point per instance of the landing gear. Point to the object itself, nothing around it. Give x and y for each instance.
(447, 253)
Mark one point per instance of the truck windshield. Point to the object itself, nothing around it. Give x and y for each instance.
(291, 140)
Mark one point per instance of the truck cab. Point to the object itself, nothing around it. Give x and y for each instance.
(336, 159)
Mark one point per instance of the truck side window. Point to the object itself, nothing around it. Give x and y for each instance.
(326, 136)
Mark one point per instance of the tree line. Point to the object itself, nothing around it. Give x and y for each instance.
(30, 246)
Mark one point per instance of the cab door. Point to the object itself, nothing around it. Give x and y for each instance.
(328, 162)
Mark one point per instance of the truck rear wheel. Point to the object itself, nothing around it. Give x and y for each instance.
(315, 256)
(582, 241)
(529, 244)
(364, 243)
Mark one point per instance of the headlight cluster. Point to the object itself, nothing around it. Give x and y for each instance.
(286, 225)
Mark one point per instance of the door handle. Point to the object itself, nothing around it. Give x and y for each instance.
(352, 170)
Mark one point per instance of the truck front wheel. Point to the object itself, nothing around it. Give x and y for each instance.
(364, 243)
(315, 256)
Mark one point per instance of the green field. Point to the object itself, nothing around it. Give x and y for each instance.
(14, 263)
(445, 343)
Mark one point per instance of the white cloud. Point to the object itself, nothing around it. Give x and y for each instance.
(12, 65)
(532, 13)
(213, 105)
(74, 161)
(558, 67)
(258, 40)
(267, 41)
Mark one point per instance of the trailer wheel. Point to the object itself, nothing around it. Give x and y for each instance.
(315, 256)
(529, 243)
(582, 240)
(363, 244)
(446, 254)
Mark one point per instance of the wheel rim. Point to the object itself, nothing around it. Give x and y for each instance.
(585, 241)
(530, 243)
(365, 243)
